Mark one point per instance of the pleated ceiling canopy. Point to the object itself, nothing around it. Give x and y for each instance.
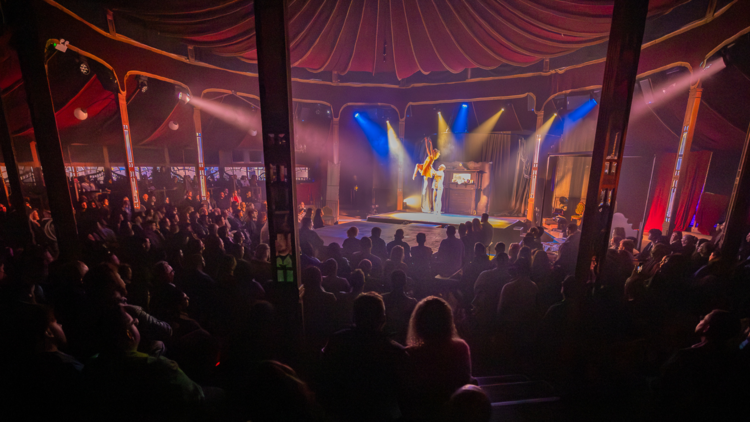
(401, 36)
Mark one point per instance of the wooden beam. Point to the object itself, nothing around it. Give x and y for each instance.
(623, 53)
(735, 228)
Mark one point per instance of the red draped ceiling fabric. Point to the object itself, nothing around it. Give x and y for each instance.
(696, 169)
(405, 36)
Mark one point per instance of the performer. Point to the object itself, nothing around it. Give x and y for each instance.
(437, 189)
(425, 169)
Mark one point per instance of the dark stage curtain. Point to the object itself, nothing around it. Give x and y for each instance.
(511, 167)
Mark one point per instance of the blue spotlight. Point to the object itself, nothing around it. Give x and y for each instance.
(376, 135)
(461, 121)
(356, 114)
(580, 112)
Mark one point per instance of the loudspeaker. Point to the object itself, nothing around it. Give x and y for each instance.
(530, 103)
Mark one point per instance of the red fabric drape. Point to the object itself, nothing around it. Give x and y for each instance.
(662, 178)
(711, 209)
(696, 170)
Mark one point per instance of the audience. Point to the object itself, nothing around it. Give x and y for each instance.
(398, 240)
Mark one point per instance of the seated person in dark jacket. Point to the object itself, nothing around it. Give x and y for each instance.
(361, 365)
(399, 241)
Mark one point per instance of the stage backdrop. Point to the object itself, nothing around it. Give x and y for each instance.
(509, 181)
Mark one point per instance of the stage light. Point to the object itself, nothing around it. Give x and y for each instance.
(439, 112)
(174, 125)
(143, 83)
(502, 109)
(80, 114)
(184, 97)
(253, 132)
(464, 106)
(84, 67)
(356, 114)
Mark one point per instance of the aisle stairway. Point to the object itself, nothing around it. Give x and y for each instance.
(516, 398)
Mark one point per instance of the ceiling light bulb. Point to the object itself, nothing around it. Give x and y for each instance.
(80, 114)
(174, 125)
(253, 132)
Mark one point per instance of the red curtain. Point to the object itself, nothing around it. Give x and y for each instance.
(695, 177)
(696, 169)
(711, 209)
(662, 178)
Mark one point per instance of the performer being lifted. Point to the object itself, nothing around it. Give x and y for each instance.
(426, 171)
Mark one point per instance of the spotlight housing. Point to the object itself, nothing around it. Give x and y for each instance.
(84, 68)
(253, 132)
(356, 114)
(174, 125)
(465, 105)
(143, 83)
(184, 97)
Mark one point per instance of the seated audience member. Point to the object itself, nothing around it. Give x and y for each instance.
(450, 255)
(307, 256)
(351, 243)
(541, 268)
(487, 231)
(319, 308)
(487, 289)
(379, 248)
(331, 281)
(162, 282)
(318, 219)
(675, 242)
(365, 252)
(345, 301)
(518, 298)
(421, 258)
(479, 263)
(533, 238)
(439, 361)
(701, 255)
(307, 234)
(334, 251)
(468, 404)
(567, 254)
(274, 392)
(706, 381)
(614, 242)
(361, 365)
(199, 286)
(396, 262)
(398, 307)
(658, 253)
(124, 384)
(513, 251)
(398, 240)
(260, 265)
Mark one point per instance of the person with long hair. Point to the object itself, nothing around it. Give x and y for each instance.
(439, 361)
(318, 219)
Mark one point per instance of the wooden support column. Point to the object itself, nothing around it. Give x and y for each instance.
(200, 168)
(275, 89)
(15, 198)
(683, 153)
(400, 185)
(334, 172)
(130, 164)
(735, 228)
(31, 56)
(623, 53)
(275, 86)
(535, 167)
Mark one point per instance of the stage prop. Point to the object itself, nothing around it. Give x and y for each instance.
(466, 188)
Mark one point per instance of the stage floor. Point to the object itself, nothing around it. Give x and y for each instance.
(401, 217)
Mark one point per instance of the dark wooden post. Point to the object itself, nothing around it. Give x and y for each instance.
(15, 199)
(739, 205)
(623, 52)
(275, 87)
(31, 56)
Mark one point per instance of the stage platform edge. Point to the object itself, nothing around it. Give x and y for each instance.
(506, 229)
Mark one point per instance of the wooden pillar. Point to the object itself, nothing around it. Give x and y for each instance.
(275, 86)
(130, 164)
(735, 228)
(535, 167)
(275, 89)
(105, 153)
(683, 153)
(400, 185)
(623, 53)
(334, 172)
(200, 168)
(15, 198)
(31, 57)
